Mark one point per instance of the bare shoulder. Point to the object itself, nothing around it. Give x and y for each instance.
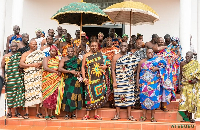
(25, 54)
(183, 63)
(142, 61)
(9, 37)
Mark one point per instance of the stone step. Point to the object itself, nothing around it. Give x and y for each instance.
(91, 124)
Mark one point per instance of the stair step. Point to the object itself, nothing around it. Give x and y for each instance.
(94, 124)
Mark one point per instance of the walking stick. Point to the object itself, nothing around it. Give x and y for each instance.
(5, 83)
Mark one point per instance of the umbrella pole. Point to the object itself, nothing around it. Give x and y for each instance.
(81, 28)
(130, 22)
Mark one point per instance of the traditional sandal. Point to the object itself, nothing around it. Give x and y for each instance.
(97, 117)
(130, 118)
(39, 115)
(192, 121)
(73, 116)
(66, 117)
(53, 117)
(18, 115)
(47, 118)
(164, 108)
(9, 115)
(85, 117)
(153, 119)
(143, 118)
(116, 117)
(26, 116)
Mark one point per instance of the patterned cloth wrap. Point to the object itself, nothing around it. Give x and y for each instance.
(95, 95)
(190, 94)
(171, 69)
(33, 79)
(52, 86)
(73, 93)
(151, 82)
(14, 84)
(126, 66)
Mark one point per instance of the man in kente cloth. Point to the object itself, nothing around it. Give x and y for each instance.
(31, 61)
(76, 41)
(16, 36)
(123, 68)
(168, 94)
(190, 94)
(65, 44)
(151, 43)
(109, 51)
(151, 74)
(73, 91)
(23, 45)
(14, 80)
(140, 53)
(93, 69)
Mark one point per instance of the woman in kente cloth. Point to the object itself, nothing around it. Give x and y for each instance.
(93, 69)
(52, 84)
(73, 92)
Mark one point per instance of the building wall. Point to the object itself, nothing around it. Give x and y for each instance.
(37, 14)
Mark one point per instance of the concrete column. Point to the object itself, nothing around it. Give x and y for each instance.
(2, 26)
(198, 30)
(17, 12)
(185, 25)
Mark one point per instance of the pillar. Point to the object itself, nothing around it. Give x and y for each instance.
(198, 30)
(17, 12)
(2, 27)
(185, 25)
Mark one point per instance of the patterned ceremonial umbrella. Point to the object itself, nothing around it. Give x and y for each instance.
(131, 12)
(80, 13)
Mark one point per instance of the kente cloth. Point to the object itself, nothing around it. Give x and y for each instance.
(24, 49)
(33, 79)
(141, 54)
(116, 42)
(50, 84)
(95, 95)
(14, 84)
(179, 58)
(76, 43)
(190, 94)
(109, 52)
(47, 53)
(17, 38)
(171, 70)
(73, 93)
(64, 49)
(126, 66)
(150, 82)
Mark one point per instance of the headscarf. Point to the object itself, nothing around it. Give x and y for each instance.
(125, 35)
(54, 47)
(176, 39)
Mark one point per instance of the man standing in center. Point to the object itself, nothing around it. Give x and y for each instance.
(123, 68)
(31, 61)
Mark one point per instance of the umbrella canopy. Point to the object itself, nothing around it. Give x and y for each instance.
(78, 12)
(131, 12)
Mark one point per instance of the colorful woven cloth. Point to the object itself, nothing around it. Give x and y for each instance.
(50, 84)
(95, 95)
(150, 94)
(126, 66)
(64, 51)
(109, 52)
(190, 94)
(33, 79)
(14, 84)
(171, 70)
(73, 93)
